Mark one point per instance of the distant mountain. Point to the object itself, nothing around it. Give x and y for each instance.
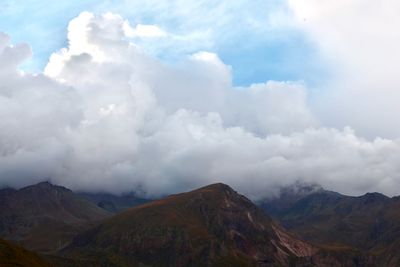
(369, 223)
(211, 226)
(12, 255)
(287, 197)
(45, 217)
(114, 203)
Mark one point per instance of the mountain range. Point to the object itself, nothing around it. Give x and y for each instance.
(369, 223)
(210, 226)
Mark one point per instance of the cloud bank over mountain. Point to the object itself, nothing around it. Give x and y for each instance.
(105, 115)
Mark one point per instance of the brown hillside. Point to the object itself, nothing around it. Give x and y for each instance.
(45, 217)
(12, 255)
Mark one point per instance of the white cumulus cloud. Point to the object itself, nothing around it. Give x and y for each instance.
(107, 116)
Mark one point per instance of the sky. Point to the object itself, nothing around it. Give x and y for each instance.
(165, 96)
(251, 37)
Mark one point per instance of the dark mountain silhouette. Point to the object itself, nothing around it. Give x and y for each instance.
(287, 197)
(368, 223)
(45, 217)
(12, 255)
(114, 203)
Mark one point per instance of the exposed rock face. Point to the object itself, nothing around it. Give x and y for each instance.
(45, 217)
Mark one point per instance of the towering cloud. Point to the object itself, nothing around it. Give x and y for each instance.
(106, 116)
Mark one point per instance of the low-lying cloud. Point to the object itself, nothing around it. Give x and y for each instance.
(105, 116)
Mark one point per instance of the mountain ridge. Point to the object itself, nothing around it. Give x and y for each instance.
(213, 225)
(44, 217)
(369, 223)
(209, 226)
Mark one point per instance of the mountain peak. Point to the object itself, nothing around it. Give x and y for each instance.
(217, 187)
(373, 197)
(47, 185)
(44, 188)
(44, 184)
(30, 211)
(210, 226)
(301, 189)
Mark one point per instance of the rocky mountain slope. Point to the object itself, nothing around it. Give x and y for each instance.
(211, 226)
(369, 223)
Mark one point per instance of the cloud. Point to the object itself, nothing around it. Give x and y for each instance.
(359, 40)
(146, 31)
(35, 113)
(107, 116)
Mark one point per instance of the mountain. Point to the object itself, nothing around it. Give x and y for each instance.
(45, 217)
(12, 255)
(369, 223)
(114, 203)
(210, 226)
(288, 196)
